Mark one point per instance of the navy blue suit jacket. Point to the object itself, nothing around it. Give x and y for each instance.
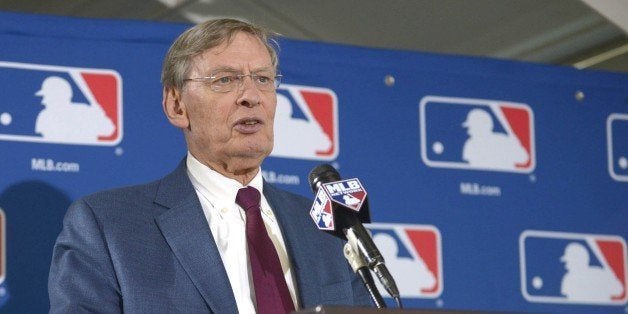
(149, 249)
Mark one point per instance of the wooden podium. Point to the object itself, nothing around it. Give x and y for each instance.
(325, 309)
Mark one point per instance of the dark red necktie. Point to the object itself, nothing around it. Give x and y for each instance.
(271, 291)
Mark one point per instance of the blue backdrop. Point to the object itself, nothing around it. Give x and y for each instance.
(468, 216)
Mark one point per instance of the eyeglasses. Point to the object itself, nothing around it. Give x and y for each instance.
(225, 81)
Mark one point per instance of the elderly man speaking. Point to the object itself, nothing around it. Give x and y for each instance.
(212, 236)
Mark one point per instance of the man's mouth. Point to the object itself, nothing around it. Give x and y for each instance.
(248, 126)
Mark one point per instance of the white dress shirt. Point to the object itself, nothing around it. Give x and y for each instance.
(226, 221)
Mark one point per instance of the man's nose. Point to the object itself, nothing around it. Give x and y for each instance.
(249, 94)
(244, 82)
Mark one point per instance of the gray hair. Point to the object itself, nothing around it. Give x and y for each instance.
(204, 36)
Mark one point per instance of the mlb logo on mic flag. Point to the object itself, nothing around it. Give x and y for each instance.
(306, 123)
(413, 255)
(478, 134)
(560, 267)
(61, 105)
(322, 212)
(617, 146)
(347, 193)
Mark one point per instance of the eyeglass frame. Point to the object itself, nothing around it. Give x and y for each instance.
(208, 79)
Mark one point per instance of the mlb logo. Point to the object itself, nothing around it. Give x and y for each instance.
(61, 105)
(413, 255)
(348, 193)
(477, 134)
(617, 145)
(558, 267)
(322, 211)
(3, 247)
(306, 123)
(4, 292)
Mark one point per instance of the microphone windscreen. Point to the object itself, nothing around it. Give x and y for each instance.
(322, 174)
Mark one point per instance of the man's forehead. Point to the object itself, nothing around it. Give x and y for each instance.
(240, 43)
(235, 56)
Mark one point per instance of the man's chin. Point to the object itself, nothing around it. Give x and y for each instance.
(254, 155)
(253, 148)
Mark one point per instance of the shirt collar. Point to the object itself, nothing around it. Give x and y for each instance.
(215, 183)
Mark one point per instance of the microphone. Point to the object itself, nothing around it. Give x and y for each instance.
(342, 200)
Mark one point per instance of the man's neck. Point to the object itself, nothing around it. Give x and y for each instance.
(234, 171)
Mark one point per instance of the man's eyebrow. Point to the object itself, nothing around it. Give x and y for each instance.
(264, 69)
(223, 69)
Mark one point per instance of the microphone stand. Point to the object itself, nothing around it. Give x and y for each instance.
(359, 266)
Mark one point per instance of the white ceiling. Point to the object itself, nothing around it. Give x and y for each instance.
(586, 33)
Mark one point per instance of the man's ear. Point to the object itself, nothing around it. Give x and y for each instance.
(174, 108)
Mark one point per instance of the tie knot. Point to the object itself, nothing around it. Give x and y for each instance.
(248, 197)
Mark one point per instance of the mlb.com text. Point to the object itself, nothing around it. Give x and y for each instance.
(47, 164)
(273, 177)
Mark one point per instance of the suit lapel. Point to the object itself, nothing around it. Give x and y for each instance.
(185, 229)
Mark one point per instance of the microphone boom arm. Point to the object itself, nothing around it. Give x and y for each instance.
(359, 266)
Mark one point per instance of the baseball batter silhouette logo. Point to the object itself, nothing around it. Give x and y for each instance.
(4, 290)
(561, 267)
(61, 105)
(617, 146)
(413, 256)
(306, 123)
(477, 134)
